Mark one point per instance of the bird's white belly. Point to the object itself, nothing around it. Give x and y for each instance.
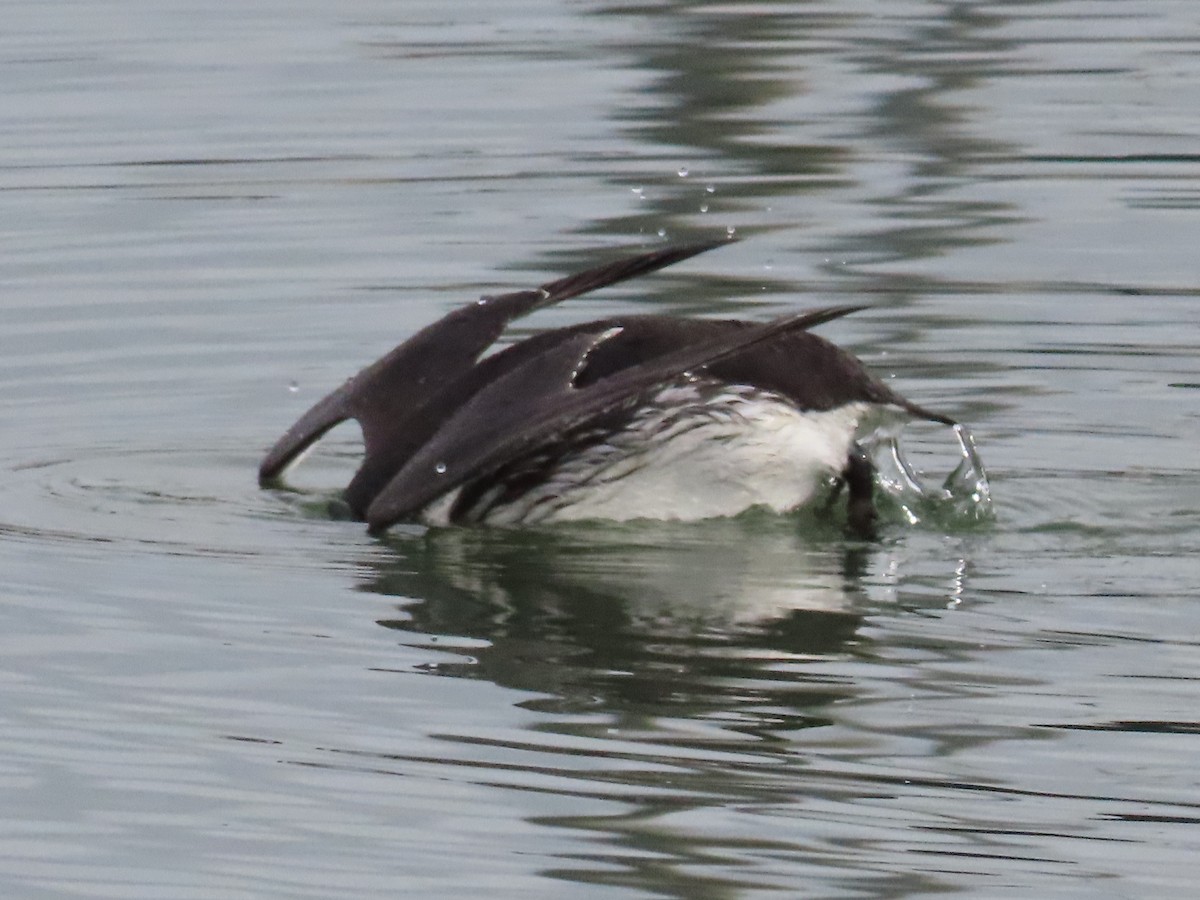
(689, 455)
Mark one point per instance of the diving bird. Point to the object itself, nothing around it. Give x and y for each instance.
(626, 417)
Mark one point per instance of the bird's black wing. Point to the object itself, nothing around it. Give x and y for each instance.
(389, 397)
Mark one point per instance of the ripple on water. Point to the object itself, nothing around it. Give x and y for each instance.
(198, 501)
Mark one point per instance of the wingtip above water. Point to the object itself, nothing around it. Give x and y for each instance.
(625, 268)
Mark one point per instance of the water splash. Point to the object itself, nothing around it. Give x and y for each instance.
(967, 487)
(893, 474)
(964, 497)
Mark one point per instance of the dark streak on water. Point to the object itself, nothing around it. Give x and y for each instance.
(215, 213)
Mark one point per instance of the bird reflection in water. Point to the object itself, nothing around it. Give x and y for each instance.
(703, 621)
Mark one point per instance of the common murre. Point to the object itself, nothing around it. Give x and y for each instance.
(637, 416)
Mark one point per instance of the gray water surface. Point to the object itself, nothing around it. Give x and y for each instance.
(214, 213)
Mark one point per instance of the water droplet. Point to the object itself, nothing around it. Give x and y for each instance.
(703, 207)
(440, 468)
(683, 172)
(662, 232)
(768, 267)
(641, 192)
(730, 230)
(711, 188)
(294, 387)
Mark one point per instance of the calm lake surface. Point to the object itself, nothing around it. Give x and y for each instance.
(213, 213)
